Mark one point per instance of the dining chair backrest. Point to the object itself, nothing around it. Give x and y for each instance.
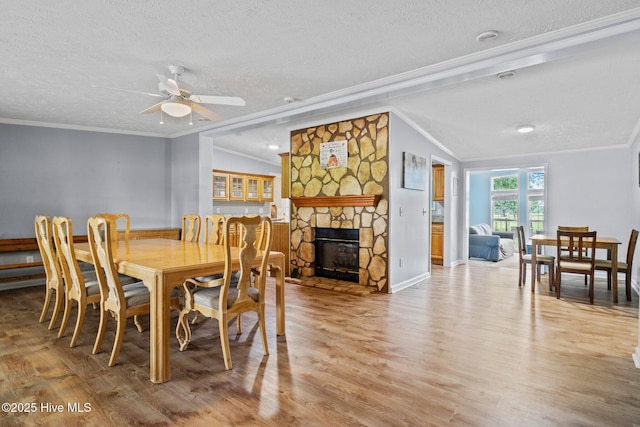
(119, 222)
(47, 252)
(574, 249)
(190, 228)
(522, 245)
(248, 250)
(53, 275)
(214, 229)
(631, 249)
(63, 237)
(99, 233)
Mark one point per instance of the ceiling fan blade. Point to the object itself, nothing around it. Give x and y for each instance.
(204, 112)
(153, 108)
(168, 85)
(221, 100)
(129, 91)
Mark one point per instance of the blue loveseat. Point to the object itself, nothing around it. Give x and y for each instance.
(490, 245)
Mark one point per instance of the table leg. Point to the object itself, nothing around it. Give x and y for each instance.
(614, 272)
(280, 297)
(534, 251)
(159, 365)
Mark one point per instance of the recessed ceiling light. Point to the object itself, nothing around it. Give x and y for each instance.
(487, 36)
(273, 146)
(289, 99)
(525, 128)
(507, 74)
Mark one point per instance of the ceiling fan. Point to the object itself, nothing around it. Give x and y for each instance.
(180, 102)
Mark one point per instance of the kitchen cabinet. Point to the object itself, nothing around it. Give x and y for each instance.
(220, 186)
(438, 183)
(437, 243)
(238, 186)
(285, 175)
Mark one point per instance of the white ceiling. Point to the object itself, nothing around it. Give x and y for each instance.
(576, 63)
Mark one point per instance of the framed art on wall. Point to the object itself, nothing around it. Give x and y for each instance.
(414, 172)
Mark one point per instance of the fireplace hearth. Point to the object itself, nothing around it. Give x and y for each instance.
(337, 253)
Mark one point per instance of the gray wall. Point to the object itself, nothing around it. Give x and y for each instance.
(410, 233)
(78, 174)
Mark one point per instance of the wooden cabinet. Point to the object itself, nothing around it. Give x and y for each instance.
(266, 192)
(285, 171)
(438, 183)
(236, 186)
(437, 243)
(253, 187)
(220, 186)
(281, 243)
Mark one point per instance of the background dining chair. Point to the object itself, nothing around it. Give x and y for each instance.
(575, 255)
(79, 287)
(190, 228)
(120, 301)
(226, 302)
(121, 222)
(214, 229)
(525, 259)
(575, 228)
(623, 267)
(53, 275)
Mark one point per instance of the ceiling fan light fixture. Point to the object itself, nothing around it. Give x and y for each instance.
(176, 108)
(487, 36)
(525, 128)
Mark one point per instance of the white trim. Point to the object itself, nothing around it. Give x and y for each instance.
(80, 128)
(408, 283)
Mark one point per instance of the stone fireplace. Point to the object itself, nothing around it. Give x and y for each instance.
(352, 198)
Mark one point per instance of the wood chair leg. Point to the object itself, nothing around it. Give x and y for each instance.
(65, 317)
(183, 331)
(558, 283)
(121, 325)
(136, 321)
(609, 279)
(627, 284)
(47, 301)
(224, 341)
(82, 310)
(591, 289)
(56, 309)
(102, 327)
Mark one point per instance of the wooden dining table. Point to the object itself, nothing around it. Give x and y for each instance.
(164, 264)
(608, 243)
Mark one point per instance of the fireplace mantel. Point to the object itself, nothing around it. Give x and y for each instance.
(331, 201)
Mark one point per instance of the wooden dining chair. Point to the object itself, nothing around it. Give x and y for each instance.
(227, 301)
(81, 288)
(575, 228)
(54, 283)
(120, 301)
(121, 222)
(525, 259)
(190, 228)
(575, 255)
(214, 229)
(623, 267)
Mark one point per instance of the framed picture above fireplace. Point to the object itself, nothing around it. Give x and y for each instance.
(414, 172)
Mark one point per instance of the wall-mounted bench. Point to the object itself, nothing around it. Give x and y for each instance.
(12, 249)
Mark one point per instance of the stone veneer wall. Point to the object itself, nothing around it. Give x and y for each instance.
(367, 173)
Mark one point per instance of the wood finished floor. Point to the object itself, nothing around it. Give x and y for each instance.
(466, 347)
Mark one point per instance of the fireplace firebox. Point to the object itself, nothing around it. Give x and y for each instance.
(337, 253)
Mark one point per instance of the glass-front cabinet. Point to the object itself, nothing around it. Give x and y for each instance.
(238, 186)
(267, 190)
(253, 185)
(220, 186)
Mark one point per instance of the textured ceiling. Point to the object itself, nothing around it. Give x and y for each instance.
(576, 62)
